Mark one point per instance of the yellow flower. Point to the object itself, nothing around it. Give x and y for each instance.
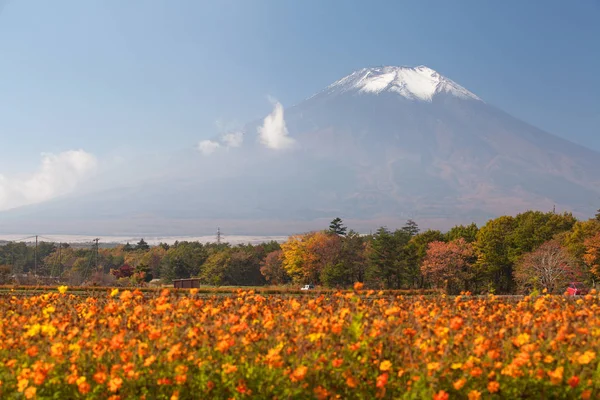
(586, 357)
(114, 292)
(433, 366)
(456, 366)
(62, 289)
(385, 365)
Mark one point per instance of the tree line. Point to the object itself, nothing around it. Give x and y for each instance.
(531, 251)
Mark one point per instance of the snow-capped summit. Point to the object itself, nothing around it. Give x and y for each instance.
(418, 83)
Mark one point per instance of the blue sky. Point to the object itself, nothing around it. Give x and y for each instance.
(117, 77)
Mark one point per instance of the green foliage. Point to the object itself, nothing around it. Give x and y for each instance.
(387, 259)
(468, 232)
(502, 241)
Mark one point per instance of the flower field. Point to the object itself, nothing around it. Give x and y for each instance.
(361, 344)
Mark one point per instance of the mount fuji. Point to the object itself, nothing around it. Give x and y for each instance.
(376, 147)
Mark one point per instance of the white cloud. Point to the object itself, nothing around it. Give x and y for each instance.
(233, 139)
(273, 133)
(57, 175)
(208, 147)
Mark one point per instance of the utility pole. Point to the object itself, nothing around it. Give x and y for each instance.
(96, 240)
(35, 256)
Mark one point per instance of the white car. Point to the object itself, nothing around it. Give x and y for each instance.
(307, 287)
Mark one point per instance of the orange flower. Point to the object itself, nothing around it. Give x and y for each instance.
(474, 395)
(441, 395)
(115, 384)
(351, 382)
(337, 362)
(32, 351)
(493, 387)
(459, 383)
(586, 394)
(30, 392)
(299, 373)
(100, 377)
(382, 380)
(358, 286)
(84, 388)
(456, 323)
(229, 369)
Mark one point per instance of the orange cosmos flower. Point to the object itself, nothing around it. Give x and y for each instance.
(32, 351)
(84, 387)
(493, 387)
(337, 362)
(115, 384)
(100, 377)
(474, 395)
(351, 382)
(459, 383)
(299, 373)
(229, 369)
(441, 395)
(382, 380)
(456, 323)
(30, 392)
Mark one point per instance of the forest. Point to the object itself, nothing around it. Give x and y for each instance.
(531, 252)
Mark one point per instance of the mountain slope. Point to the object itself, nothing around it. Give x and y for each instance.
(378, 146)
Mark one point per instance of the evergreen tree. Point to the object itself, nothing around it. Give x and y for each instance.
(411, 228)
(337, 227)
(142, 245)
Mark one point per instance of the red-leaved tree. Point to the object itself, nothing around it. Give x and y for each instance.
(548, 267)
(272, 268)
(449, 265)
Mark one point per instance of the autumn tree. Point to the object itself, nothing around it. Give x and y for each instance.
(416, 250)
(592, 255)
(272, 268)
(575, 239)
(449, 265)
(351, 263)
(305, 256)
(124, 271)
(548, 267)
